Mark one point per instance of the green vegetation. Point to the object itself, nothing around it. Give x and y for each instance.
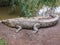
(3, 41)
(50, 3)
(28, 8)
(58, 2)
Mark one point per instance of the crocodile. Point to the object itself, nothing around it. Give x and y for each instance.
(26, 23)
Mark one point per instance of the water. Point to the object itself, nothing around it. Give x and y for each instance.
(57, 10)
(44, 9)
(4, 13)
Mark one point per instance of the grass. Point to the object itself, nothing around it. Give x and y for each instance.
(58, 2)
(3, 41)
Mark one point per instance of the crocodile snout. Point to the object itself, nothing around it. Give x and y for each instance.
(4, 21)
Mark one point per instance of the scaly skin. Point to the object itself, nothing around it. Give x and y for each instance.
(34, 23)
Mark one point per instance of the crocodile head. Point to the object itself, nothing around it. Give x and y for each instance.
(7, 22)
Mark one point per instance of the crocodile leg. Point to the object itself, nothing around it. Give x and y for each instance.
(36, 27)
(19, 28)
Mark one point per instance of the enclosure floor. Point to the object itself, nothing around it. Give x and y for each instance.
(45, 36)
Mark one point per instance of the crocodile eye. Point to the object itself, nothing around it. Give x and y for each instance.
(40, 24)
(5, 22)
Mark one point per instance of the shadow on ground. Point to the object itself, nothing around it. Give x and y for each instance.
(45, 36)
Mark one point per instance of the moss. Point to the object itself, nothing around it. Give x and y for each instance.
(3, 41)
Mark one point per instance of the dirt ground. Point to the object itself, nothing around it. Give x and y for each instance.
(45, 36)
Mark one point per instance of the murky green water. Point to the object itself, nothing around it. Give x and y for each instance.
(4, 13)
